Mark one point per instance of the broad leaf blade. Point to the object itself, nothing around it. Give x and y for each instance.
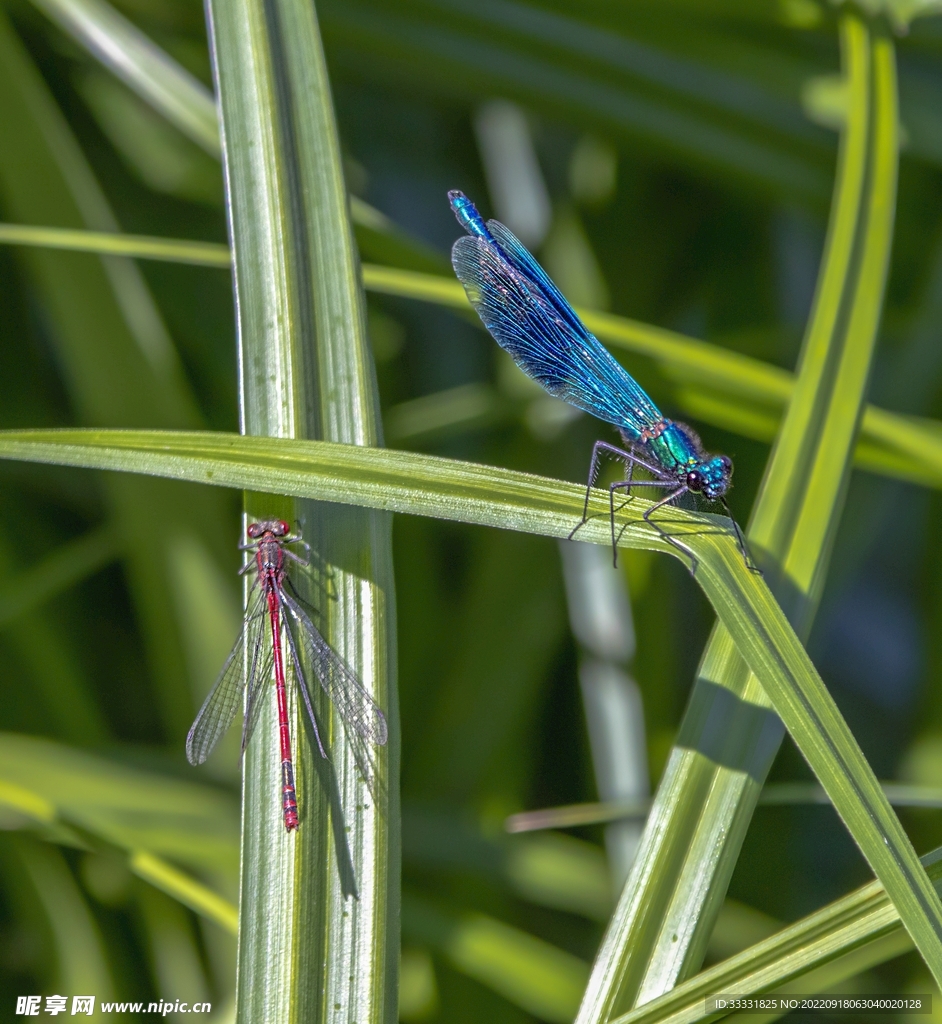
(306, 371)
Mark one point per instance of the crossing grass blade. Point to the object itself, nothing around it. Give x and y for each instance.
(890, 443)
(705, 801)
(155, 76)
(850, 935)
(327, 895)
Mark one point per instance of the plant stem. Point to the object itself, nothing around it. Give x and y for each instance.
(710, 787)
(325, 898)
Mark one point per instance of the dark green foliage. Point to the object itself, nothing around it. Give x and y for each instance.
(714, 229)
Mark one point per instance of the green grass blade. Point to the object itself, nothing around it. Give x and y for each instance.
(49, 784)
(151, 73)
(145, 247)
(529, 972)
(890, 444)
(775, 794)
(706, 798)
(118, 363)
(795, 518)
(306, 371)
(63, 568)
(81, 961)
(185, 889)
(466, 492)
(397, 481)
(856, 932)
(48, 788)
(83, 787)
(573, 815)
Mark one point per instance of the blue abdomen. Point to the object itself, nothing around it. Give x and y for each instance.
(467, 214)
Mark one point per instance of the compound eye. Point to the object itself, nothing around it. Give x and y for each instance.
(726, 462)
(282, 529)
(254, 530)
(695, 480)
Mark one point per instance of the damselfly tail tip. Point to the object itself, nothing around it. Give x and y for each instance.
(289, 797)
(466, 213)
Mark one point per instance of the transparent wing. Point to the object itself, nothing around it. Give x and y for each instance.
(545, 337)
(356, 707)
(225, 698)
(260, 673)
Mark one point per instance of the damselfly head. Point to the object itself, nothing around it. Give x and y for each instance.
(712, 477)
(276, 527)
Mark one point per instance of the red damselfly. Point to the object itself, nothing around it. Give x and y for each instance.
(277, 613)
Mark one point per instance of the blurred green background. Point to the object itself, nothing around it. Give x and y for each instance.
(669, 161)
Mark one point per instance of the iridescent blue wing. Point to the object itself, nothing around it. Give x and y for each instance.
(544, 336)
(523, 261)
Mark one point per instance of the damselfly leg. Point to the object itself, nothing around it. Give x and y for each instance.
(630, 460)
(661, 480)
